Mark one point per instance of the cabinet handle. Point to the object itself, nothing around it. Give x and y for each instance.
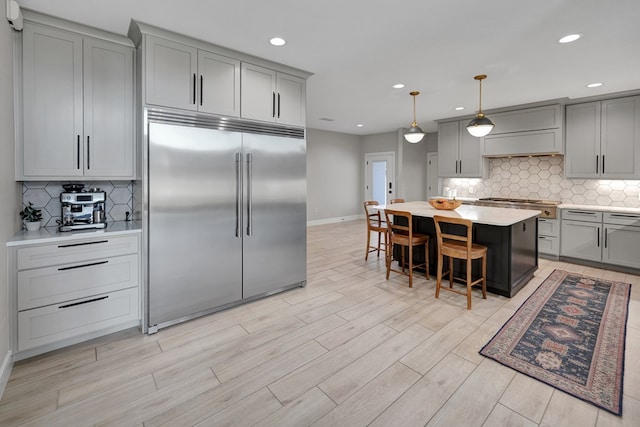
(582, 213)
(88, 154)
(78, 154)
(278, 105)
(624, 216)
(603, 163)
(605, 238)
(194, 88)
(201, 85)
(84, 302)
(71, 245)
(460, 167)
(598, 235)
(597, 164)
(273, 105)
(82, 266)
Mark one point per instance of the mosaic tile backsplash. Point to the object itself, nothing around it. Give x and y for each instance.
(46, 196)
(543, 178)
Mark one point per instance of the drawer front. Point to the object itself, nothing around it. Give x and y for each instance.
(548, 227)
(549, 245)
(622, 219)
(580, 215)
(54, 323)
(76, 251)
(51, 285)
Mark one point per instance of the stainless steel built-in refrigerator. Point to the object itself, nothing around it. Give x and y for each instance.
(226, 214)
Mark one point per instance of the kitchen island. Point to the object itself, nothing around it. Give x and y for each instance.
(509, 234)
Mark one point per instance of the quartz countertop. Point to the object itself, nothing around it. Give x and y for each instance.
(479, 214)
(51, 234)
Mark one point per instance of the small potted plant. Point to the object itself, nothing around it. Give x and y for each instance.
(31, 217)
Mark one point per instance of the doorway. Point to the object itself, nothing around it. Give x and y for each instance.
(379, 176)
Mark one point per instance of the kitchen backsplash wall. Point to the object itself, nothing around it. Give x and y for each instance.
(46, 196)
(543, 178)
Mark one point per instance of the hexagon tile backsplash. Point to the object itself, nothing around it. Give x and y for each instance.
(46, 196)
(543, 178)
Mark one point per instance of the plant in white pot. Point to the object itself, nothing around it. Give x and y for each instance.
(31, 216)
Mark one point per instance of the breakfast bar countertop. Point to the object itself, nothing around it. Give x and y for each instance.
(478, 214)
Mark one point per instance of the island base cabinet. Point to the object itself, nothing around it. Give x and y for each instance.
(55, 323)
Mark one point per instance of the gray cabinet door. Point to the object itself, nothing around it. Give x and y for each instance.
(620, 144)
(170, 76)
(291, 102)
(258, 95)
(469, 153)
(448, 149)
(218, 84)
(274, 242)
(581, 240)
(108, 110)
(622, 245)
(52, 90)
(582, 139)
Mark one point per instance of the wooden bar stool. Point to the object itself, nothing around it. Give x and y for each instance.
(375, 224)
(459, 245)
(404, 236)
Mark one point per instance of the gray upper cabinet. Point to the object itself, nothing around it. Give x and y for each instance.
(458, 152)
(603, 139)
(77, 107)
(181, 76)
(272, 96)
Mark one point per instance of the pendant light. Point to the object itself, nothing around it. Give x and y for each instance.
(480, 125)
(415, 132)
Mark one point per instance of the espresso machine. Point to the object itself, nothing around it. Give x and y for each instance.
(83, 209)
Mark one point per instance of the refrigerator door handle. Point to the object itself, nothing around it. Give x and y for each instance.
(238, 191)
(249, 195)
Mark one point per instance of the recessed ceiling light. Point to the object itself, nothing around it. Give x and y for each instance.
(459, 108)
(569, 38)
(594, 84)
(360, 125)
(398, 86)
(277, 41)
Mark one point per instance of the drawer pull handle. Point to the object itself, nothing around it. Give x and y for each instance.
(625, 216)
(83, 244)
(84, 302)
(81, 266)
(583, 213)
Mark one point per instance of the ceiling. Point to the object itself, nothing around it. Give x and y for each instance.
(358, 49)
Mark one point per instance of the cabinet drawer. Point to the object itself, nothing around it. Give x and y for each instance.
(549, 245)
(51, 285)
(76, 251)
(621, 219)
(54, 323)
(580, 215)
(548, 227)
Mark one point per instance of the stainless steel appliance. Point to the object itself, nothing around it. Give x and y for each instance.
(82, 209)
(548, 208)
(226, 212)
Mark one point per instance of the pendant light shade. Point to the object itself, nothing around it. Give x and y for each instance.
(480, 125)
(415, 132)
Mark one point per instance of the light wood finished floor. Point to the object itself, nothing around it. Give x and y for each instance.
(350, 349)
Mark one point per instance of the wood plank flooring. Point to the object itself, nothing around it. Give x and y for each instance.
(349, 349)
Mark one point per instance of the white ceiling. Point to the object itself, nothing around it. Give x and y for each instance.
(357, 49)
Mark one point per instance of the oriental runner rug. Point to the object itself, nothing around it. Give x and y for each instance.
(570, 334)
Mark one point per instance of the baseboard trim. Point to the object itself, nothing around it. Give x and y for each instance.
(5, 371)
(334, 220)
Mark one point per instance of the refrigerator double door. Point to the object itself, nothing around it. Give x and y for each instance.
(227, 218)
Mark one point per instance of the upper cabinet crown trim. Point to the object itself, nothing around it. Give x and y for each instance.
(137, 29)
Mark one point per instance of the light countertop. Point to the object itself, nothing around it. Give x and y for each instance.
(51, 234)
(479, 214)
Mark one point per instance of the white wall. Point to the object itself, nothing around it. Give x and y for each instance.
(335, 175)
(9, 189)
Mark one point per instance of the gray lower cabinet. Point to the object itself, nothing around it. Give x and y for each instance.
(609, 237)
(72, 290)
(77, 106)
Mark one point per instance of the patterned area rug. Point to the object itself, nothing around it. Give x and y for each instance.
(570, 334)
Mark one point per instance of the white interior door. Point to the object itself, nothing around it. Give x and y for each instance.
(379, 176)
(434, 184)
